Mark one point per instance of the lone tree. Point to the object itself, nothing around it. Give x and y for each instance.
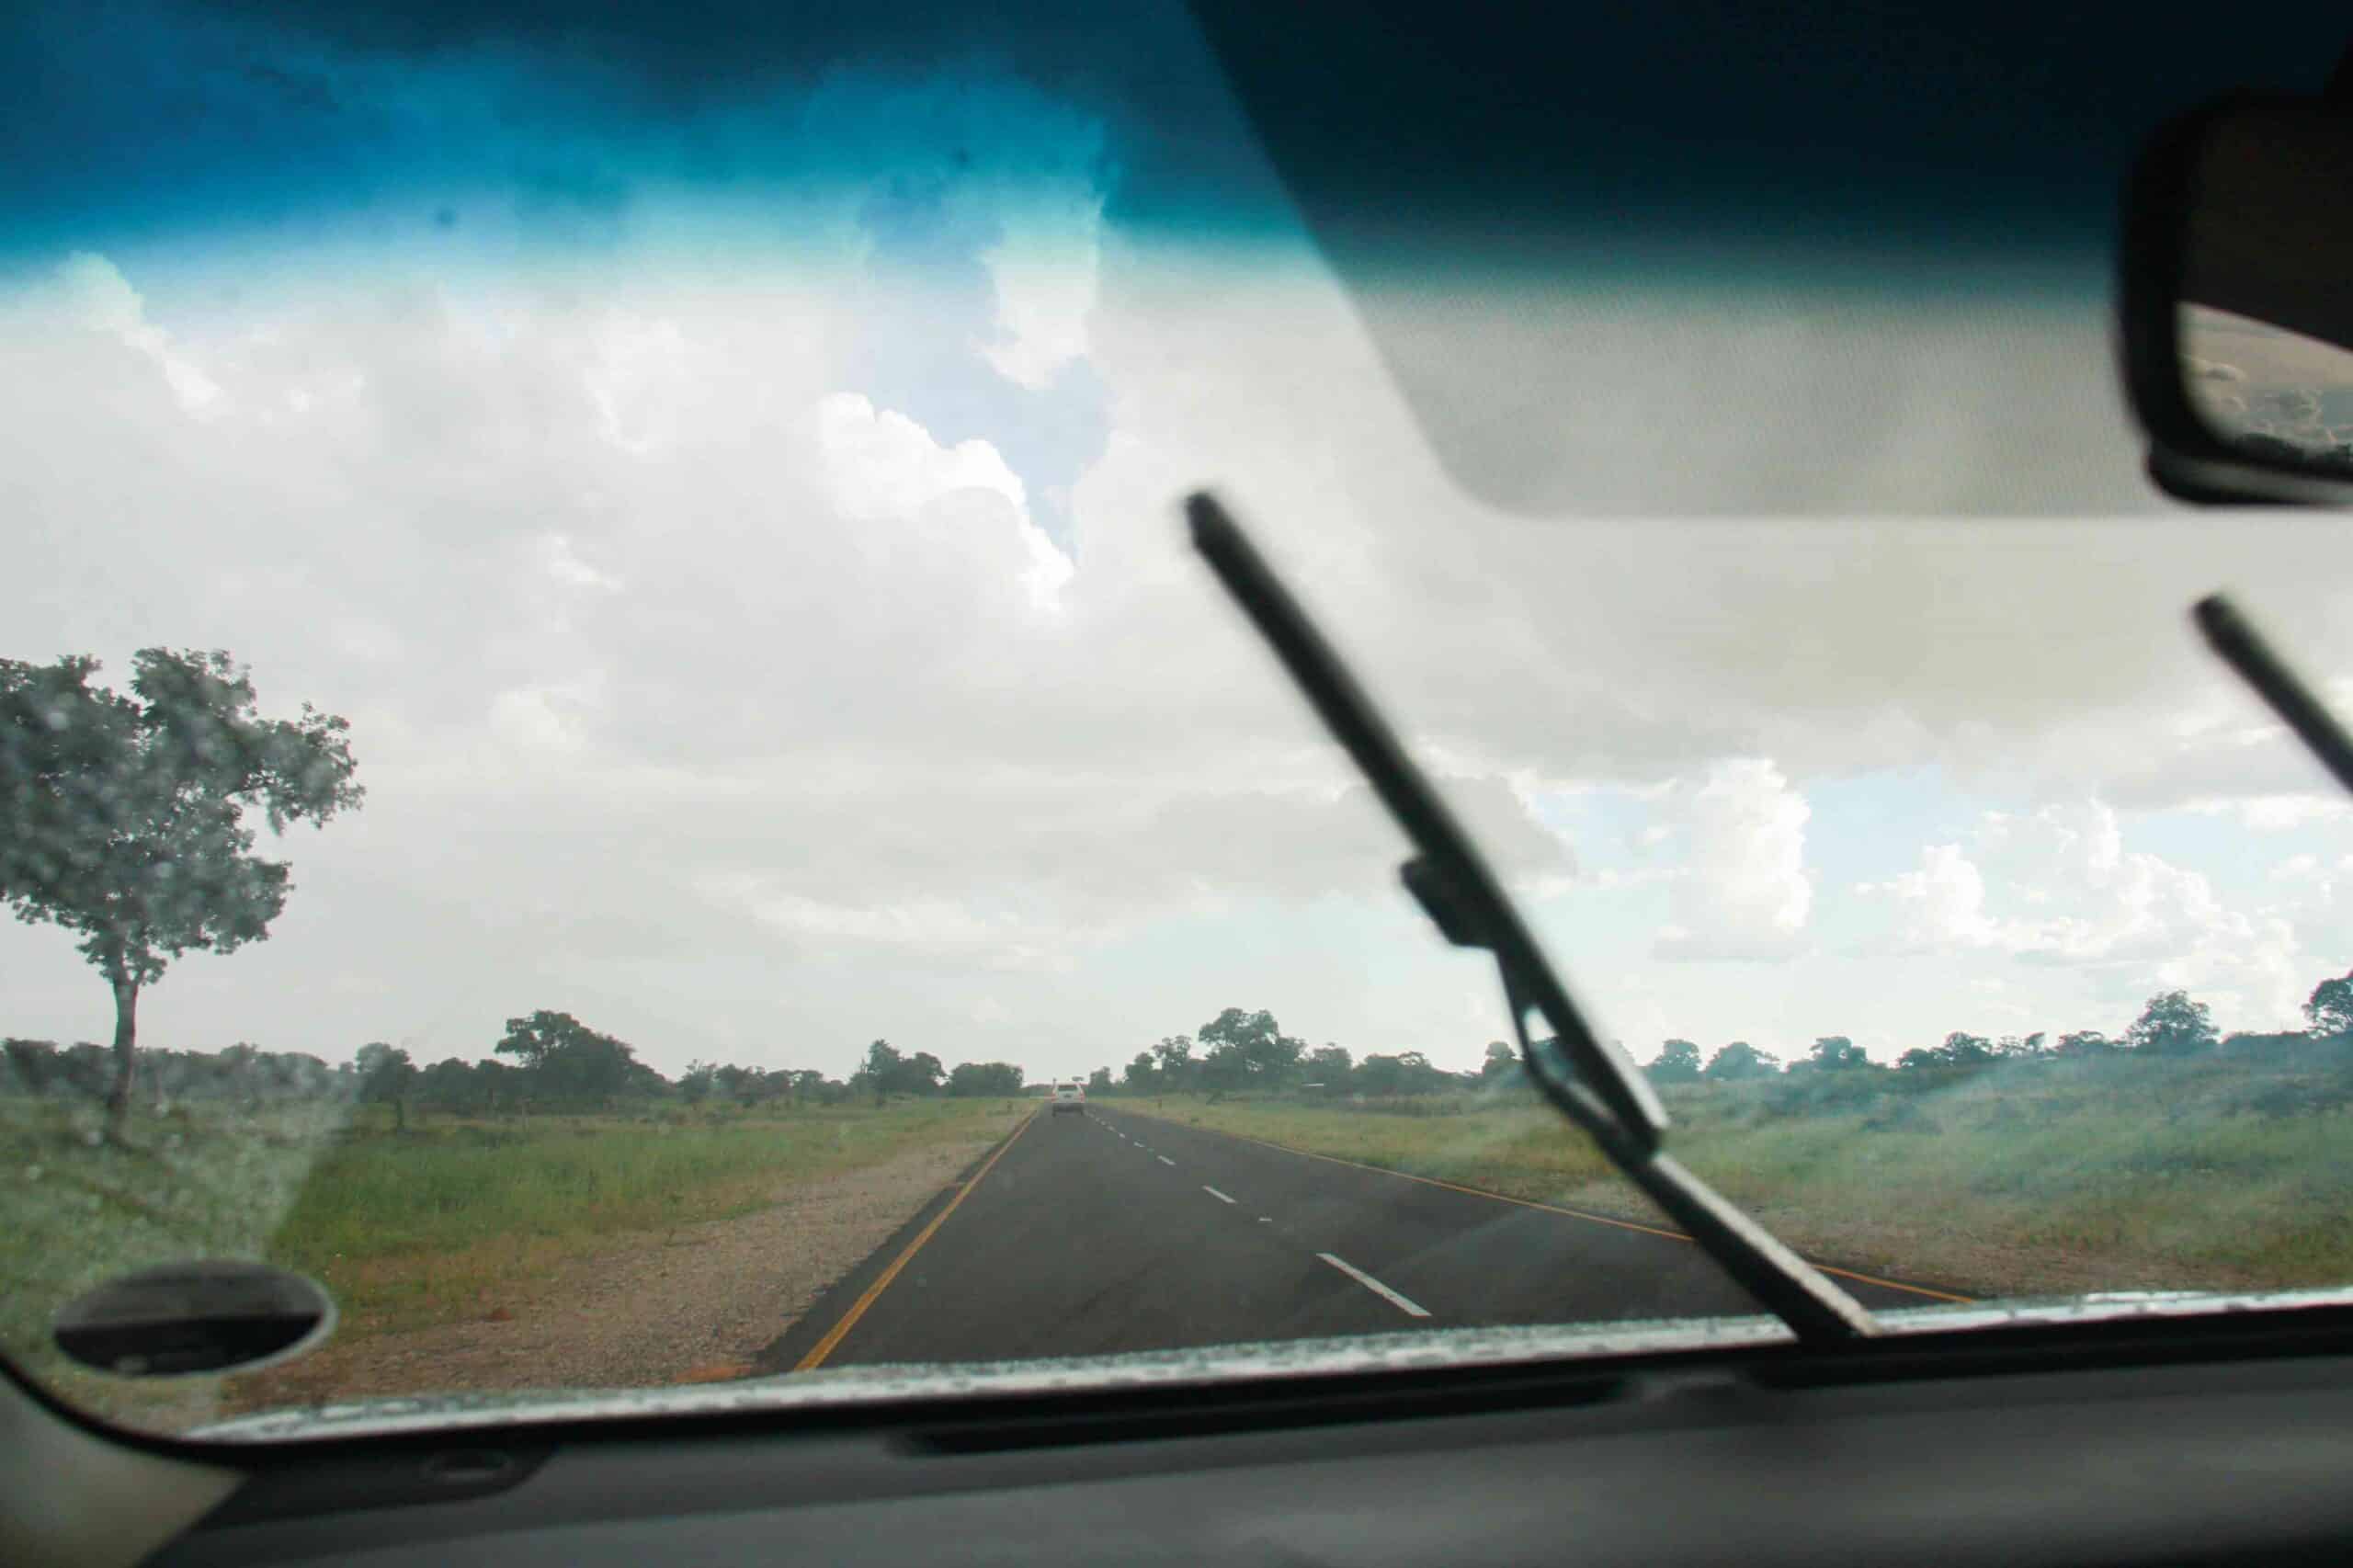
(386, 1076)
(2173, 1024)
(565, 1062)
(123, 818)
(2330, 1010)
(1249, 1049)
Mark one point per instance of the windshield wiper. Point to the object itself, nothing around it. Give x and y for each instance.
(1591, 1081)
(2232, 636)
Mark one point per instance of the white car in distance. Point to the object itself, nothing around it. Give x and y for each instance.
(1069, 1096)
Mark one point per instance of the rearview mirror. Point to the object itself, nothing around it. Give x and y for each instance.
(2237, 301)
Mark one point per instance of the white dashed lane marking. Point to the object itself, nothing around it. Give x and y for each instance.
(1375, 1286)
(1166, 1160)
(1216, 1194)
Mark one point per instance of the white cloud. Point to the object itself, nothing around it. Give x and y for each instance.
(1942, 903)
(641, 382)
(1045, 273)
(2059, 887)
(1001, 939)
(2279, 813)
(546, 718)
(882, 464)
(98, 297)
(561, 561)
(1742, 891)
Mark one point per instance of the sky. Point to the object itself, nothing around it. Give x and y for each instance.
(742, 532)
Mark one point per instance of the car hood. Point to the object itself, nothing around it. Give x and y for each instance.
(1419, 1350)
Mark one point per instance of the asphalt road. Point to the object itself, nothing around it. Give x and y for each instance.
(1108, 1231)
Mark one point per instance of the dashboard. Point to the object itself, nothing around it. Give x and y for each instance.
(1950, 1456)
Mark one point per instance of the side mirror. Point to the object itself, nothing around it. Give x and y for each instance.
(2236, 301)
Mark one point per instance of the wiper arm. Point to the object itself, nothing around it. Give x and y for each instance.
(1592, 1081)
(2242, 648)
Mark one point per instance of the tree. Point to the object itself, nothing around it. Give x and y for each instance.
(1099, 1081)
(2173, 1024)
(1331, 1066)
(562, 1060)
(879, 1073)
(1678, 1062)
(33, 1064)
(533, 1039)
(1835, 1052)
(1175, 1056)
(1500, 1058)
(450, 1084)
(922, 1075)
(2084, 1042)
(970, 1078)
(1956, 1050)
(696, 1083)
(1222, 1069)
(1741, 1060)
(2330, 1009)
(1379, 1076)
(385, 1075)
(1142, 1075)
(1960, 1050)
(123, 818)
(1250, 1049)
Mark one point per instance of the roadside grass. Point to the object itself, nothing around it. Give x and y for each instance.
(431, 1225)
(407, 1230)
(2043, 1180)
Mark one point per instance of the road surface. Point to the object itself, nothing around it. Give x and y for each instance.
(1113, 1232)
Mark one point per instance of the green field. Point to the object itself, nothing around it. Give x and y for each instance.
(2053, 1178)
(408, 1229)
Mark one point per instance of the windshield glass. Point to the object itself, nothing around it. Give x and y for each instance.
(604, 692)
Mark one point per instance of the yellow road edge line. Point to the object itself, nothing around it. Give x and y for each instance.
(1572, 1213)
(831, 1342)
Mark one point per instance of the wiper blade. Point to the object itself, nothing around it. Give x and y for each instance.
(1591, 1081)
(2242, 648)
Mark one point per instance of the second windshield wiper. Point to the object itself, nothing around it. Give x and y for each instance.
(1594, 1084)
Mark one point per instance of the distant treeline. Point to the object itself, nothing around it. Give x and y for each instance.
(240, 1072)
(1241, 1051)
(546, 1061)
(551, 1060)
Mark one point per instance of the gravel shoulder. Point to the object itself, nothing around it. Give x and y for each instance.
(659, 1309)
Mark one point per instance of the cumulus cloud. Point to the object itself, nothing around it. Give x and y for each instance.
(96, 295)
(1742, 889)
(1941, 904)
(1044, 272)
(883, 464)
(2059, 887)
(2279, 813)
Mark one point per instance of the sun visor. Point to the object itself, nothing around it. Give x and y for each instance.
(1700, 259)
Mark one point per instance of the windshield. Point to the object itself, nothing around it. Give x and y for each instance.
(603, 689)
